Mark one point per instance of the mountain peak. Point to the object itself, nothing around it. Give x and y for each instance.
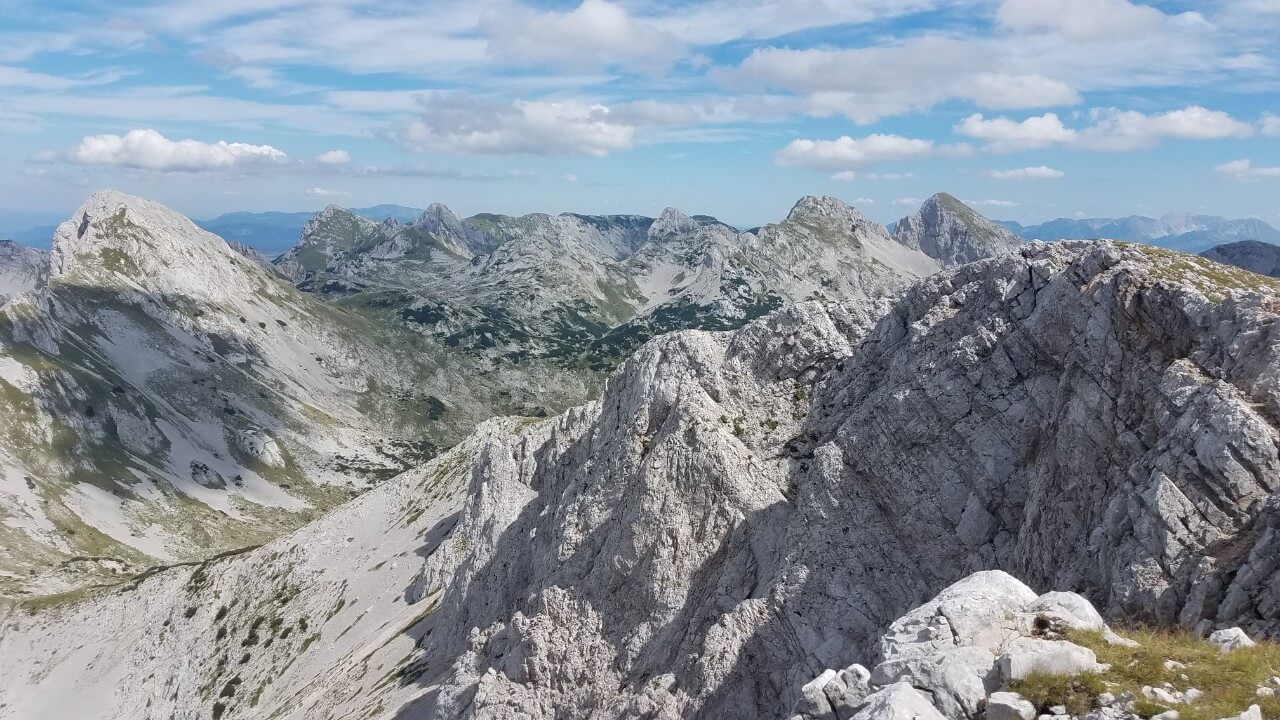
(672, 221)
(439, 217)
(825, 209)
(950, 231)
(118, 240)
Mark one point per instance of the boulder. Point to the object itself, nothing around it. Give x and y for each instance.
(1009, 706)
(958, 679)
(898, 701)
(1026, 655)
(982, 610)
(1073, 609)
(1231, 639)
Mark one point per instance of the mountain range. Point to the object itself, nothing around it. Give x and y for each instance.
(1177, 231)
(739, 510)
(170, 394)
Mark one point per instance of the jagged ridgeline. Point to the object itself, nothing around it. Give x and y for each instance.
(740, 511)
(586, 291)
(168, 396)
(163, 398)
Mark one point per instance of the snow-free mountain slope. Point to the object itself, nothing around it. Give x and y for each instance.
(20, 268)
(953, 233)
(165, 398)
(1259, 257)
(740, 511)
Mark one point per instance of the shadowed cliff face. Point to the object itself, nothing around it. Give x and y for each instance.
(740, 511)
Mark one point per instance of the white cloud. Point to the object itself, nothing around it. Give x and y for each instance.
(1003, 134)
(992, 203)
(847, 153)
(1088, 20)
(334, 157)
(1039, 172)
(596, 33)
(1114, 129)
(871, 83)
(890, 176)
(149, 150)
(845, 176)
(570, 178)
(1014, 92)
(1244, 171)
(1110, 129)
(15, 77)
(319, 192)
(457, 122)
(1270, 124)
(907, 201)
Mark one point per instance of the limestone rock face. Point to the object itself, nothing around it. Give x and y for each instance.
(953, 233)
(740, 512)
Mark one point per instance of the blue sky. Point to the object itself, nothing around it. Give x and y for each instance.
(1029, 109)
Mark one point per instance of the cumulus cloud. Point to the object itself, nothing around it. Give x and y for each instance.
(1039, 172)
(319, 192)
(844, 176)
(1270, 125)
(1109, 129)
(1244, 171)
(334, 157)
(847, 153)
(1003, 134)
(596, 33)
(1114, 129)
(458, 122)
(992, 203)
(149, 150)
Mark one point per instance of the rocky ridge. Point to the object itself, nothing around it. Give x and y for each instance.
(580, 289)
(741, 511)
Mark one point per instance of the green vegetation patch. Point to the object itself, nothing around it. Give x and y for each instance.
(1229, 681)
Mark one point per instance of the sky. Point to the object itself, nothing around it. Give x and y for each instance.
(1026, 109)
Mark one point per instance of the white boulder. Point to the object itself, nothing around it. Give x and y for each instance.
(898, 701)
(1027, 655)
(1009, 706)
(1231, 639)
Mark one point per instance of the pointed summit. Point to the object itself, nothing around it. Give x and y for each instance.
(953, 233)
(672, 222)
(442, 222)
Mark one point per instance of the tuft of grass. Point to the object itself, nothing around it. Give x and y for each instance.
(1228, 680)
(1076, 692)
